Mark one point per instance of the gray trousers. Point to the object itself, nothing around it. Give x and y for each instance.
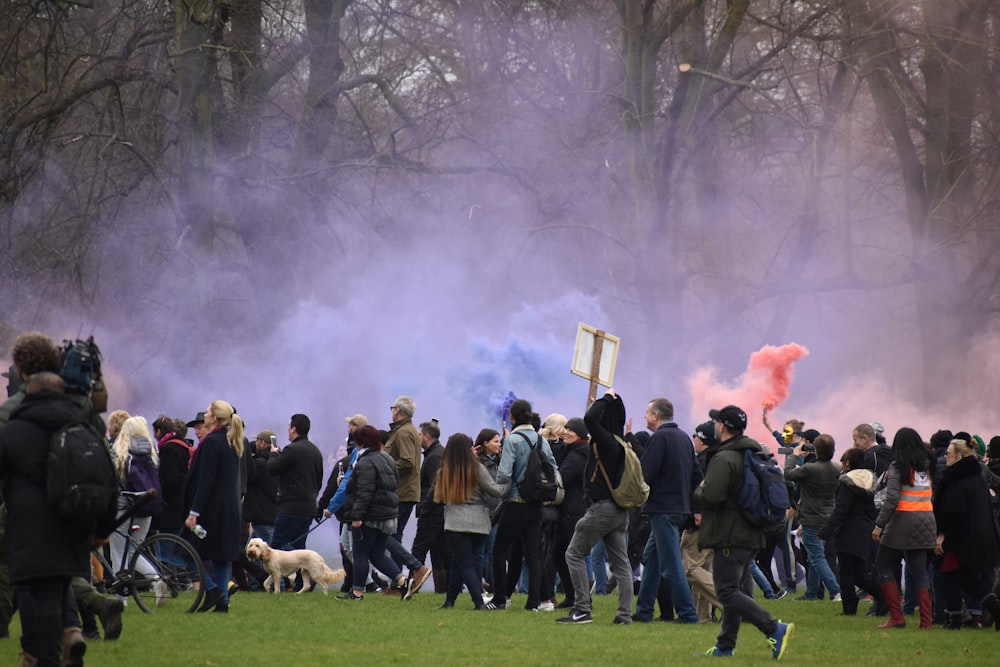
(605, 521)
(730, 570)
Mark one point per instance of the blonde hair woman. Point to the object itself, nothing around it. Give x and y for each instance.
(132, 449)
(967, 545)
(212, 499)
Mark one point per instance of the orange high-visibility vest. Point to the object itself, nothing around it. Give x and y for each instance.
(916, 496)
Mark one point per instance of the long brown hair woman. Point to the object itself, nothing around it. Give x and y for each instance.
(462, 483)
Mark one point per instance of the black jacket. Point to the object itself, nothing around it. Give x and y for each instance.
(299, 468)
(174, 460)
(40, 543)
(372, 488)
(212, 489)
(572, 467)
(605, 418)
(428, 478)
(964, 516)
(260, 504)
(853, 519)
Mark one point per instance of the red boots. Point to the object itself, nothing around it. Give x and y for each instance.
(896, 618)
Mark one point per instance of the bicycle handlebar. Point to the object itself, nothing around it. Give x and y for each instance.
(136, 500)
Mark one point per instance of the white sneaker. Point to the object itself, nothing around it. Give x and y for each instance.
(835, 598)
(548, 605)
(162, 592)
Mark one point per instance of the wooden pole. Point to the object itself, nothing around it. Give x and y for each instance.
(595, 366)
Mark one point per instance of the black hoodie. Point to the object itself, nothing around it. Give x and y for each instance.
(605, 419)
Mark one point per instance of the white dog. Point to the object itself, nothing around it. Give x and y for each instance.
(286, 563)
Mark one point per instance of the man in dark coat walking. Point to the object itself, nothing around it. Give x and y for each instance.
(44, 550)
(299, 469)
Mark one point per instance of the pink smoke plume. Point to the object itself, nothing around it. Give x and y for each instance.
(764, 385)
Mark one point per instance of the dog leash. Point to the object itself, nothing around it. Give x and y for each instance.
(306, 534)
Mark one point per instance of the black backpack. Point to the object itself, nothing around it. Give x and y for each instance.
(539, 484)
(80, 480)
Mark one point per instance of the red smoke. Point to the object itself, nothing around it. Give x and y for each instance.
(764, 384)
(773, 365)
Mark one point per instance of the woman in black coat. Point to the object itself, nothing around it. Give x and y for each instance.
(572, 462)
(850, 527)
(967, 542)
(212, 495)
(175, 455)
(371, 506)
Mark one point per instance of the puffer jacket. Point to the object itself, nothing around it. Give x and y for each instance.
(907, 516)
(722, 521)
(850, 526)
(371, 490)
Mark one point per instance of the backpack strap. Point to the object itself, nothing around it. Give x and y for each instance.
(531, 447)
(600, 465)
(525, 438)
(185, 445)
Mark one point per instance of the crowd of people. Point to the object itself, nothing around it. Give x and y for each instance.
(909, 524)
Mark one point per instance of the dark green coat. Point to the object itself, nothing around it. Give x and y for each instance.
(722, 521)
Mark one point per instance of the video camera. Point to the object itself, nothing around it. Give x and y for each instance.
(81, 366)
(13, 381)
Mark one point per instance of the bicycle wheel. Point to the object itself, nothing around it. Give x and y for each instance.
(165, 569)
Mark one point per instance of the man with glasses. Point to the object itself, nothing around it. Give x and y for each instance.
(403, 446)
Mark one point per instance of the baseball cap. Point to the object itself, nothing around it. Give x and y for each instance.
(731, 416)
(706, 433)
(809, 434)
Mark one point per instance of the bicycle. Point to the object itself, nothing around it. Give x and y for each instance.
(160, 568)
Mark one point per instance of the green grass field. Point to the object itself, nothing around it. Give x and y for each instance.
(287, 629)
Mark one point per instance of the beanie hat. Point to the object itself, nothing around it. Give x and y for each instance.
(994, 448)
(577, 425)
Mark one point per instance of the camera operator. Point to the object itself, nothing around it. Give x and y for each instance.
(817, 477)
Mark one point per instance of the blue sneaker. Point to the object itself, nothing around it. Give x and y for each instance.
(779, 639)
(715, 652)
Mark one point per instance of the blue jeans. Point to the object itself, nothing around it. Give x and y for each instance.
(819, 569)
(369, 549)
(599, 564)
(290, 531)
(761, 580)
(662, 559)
(400, 555)
(466, 565)
(264, 531)
(218, 574)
